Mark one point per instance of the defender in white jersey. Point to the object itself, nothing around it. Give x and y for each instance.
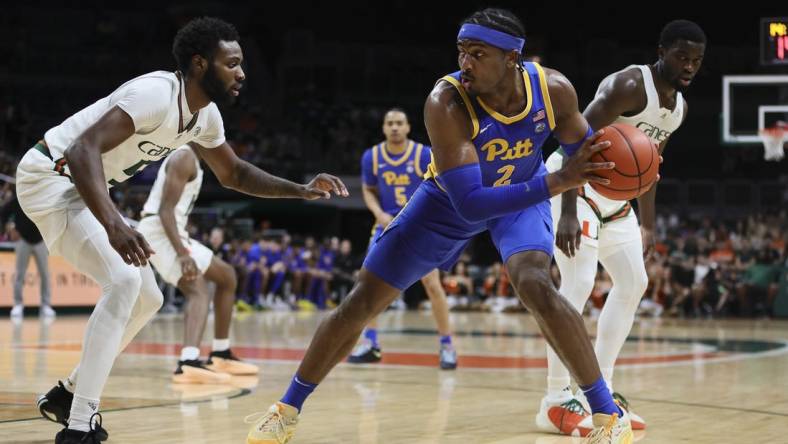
(189, 265)
(62, 186)
(596, 229)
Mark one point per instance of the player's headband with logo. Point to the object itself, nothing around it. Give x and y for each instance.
(501, 40)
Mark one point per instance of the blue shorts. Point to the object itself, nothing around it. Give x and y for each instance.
(428, 233)
(377, 231)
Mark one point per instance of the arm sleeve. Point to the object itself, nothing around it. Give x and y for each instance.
(145, 100)
(571, 148)
(476, 203)
(368, 176)
(212, 135)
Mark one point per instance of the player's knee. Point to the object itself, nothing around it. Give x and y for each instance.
(223, 275)
(122, 292)
(536, 290)
(433, 288)
(151, 298)
(126, 282)
(229, 280)
(354, 312)
(577, 287)
(631, 286)
(640, 283)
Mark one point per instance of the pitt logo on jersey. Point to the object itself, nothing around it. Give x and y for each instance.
(394, 179)
(498, 149)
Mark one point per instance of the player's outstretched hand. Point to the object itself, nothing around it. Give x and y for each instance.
(129, 243)
(323, 185)
(579, 169)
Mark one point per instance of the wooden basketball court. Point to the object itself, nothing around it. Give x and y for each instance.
(693, 381)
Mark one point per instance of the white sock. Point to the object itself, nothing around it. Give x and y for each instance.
(190, 353)
(81, 411)
(558, 389)
(221, 344)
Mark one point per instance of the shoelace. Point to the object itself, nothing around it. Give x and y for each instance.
(604, 432)
(574, 406)
(90, 437)
(621, 400)
(278, 426)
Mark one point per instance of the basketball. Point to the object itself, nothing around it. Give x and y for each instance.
(636, 158)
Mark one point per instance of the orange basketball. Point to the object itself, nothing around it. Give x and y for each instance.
(636, 158)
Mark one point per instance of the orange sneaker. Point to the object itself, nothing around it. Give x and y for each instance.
(226, 362)
(194, 371)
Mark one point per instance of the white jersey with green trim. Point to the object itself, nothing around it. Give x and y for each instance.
(187, 198)
(656, 122)
(156, 103)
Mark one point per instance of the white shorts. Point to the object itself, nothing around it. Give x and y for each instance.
(46, 196)
(165, 260)
(596, 234)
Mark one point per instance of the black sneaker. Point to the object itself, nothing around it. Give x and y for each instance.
(365, 353)
(94, 436)
(56, 407)
(56, 404)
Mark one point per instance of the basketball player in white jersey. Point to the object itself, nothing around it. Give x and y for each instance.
(189, 265)
(595, 229)
(62, 186)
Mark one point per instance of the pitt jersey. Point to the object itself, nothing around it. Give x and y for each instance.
(395, 176)
(428, 233)
(509, 148)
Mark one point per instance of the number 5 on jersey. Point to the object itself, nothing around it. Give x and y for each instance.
(399, 194)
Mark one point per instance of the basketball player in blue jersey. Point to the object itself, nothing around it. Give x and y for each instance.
(648, 97)
(391, 171)
(487, 123)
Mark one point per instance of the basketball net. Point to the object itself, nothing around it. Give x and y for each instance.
(773, 140)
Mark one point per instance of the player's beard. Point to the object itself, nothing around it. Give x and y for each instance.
(214, 88)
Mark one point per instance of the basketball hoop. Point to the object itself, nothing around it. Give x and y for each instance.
(773, 140)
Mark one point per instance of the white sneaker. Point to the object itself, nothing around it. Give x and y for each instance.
(47, 312)
(638, 423)
(18, 311)
(563, 415)
(580, 396)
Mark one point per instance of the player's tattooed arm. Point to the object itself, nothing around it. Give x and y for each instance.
(240, 175)
(87, 171)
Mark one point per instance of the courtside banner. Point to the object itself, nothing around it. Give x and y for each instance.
(69, 287)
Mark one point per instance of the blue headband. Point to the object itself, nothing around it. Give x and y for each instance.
(492, 37)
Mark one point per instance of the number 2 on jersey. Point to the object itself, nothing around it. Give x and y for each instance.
(506, 172)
